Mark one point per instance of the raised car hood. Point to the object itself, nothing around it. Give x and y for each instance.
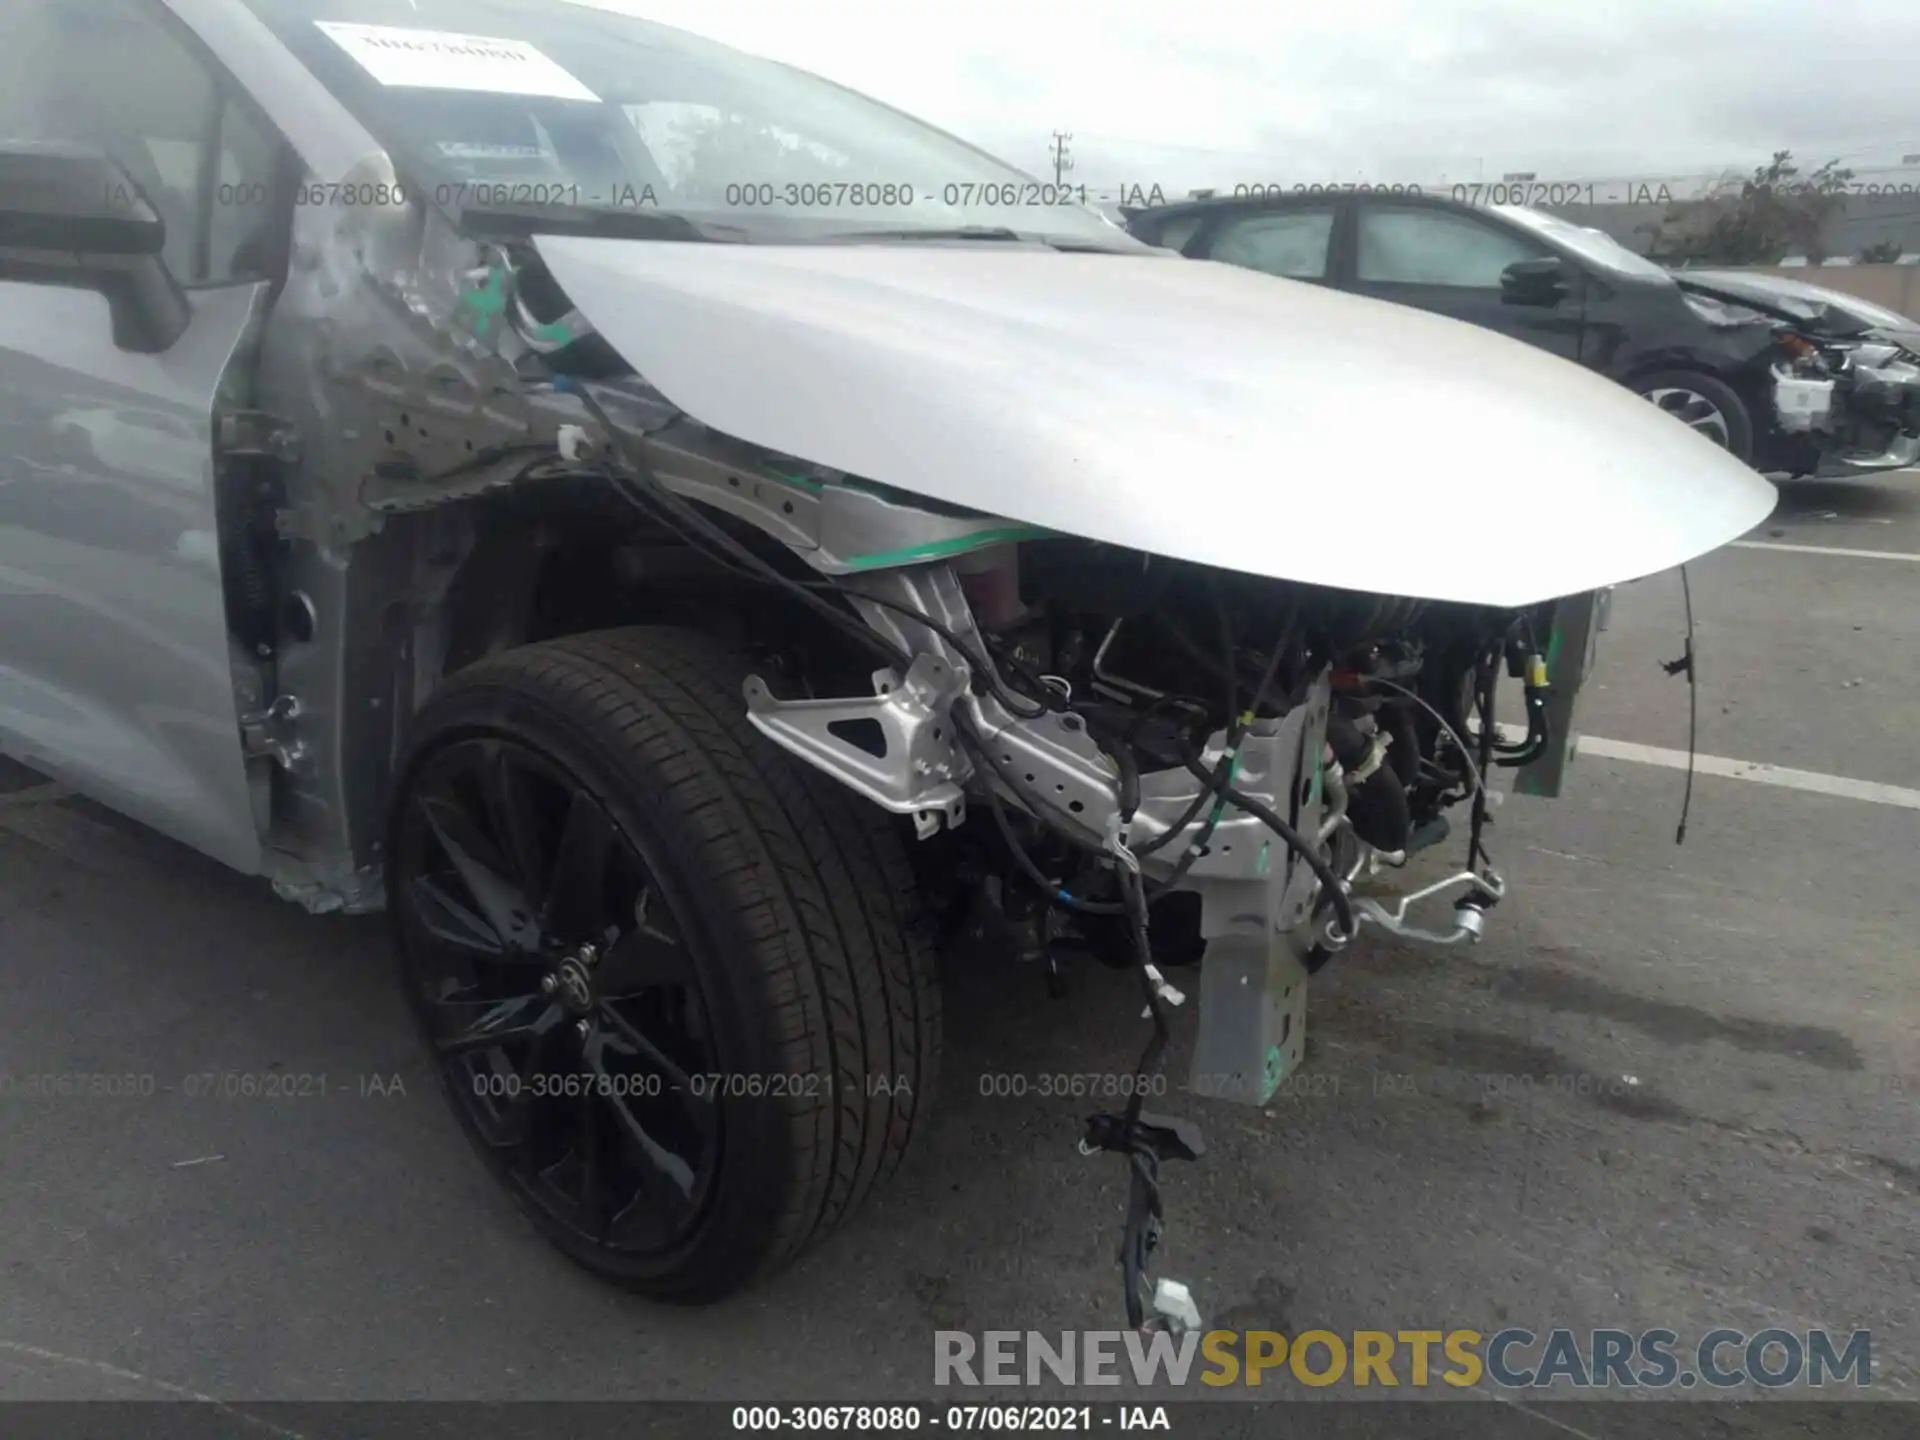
(1189, 409)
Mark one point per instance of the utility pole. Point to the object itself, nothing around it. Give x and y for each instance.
(1062, 160)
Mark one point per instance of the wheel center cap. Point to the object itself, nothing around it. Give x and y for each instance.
(574, 984)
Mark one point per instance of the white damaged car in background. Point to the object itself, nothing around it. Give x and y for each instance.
(676, 531)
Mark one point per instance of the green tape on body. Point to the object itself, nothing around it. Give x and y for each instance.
(941, 549)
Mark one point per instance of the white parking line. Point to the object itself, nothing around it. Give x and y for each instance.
(1825, 550)
(1872, 791)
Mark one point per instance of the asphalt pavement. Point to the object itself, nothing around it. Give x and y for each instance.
(1674, 1087)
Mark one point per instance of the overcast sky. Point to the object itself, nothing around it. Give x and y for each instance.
(1188, 94)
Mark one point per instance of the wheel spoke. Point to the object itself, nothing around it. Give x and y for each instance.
(499, 901)
(505, 790)
(499, 1022)
(1693, 410)
(594, 1206)
(450, 922)
(639, 960)
(514, 1123)
(577, 888)
(623, 1038)
(666, 1180)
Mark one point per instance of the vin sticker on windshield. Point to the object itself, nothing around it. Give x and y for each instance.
(437, 60)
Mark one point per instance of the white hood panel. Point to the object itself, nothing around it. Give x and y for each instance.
(1185, 408)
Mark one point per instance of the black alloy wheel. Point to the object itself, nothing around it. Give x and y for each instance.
(677, 984)
(558, 992)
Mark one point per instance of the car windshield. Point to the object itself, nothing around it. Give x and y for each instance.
(555, 104)
(1602, 249)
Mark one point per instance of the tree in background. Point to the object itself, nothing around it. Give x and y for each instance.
(1753, 221)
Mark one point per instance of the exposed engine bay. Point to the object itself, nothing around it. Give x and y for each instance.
(1848, 388)
(1116, 697)
(1864, 394)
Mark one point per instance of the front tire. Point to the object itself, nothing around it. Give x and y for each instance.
(676, 983)
(1712, 407)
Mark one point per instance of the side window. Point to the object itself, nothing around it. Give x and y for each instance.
(112, 74)
(242, 224)
(1417, 246)
(1175, 234)
(1291, 243)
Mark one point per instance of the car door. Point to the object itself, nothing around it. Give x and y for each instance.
(1451, 261)
(1294, 242)
(115, 671)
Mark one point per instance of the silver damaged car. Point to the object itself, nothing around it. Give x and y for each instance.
(683, 539)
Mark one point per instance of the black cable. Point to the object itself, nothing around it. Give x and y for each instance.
(1187, 817)
(1143, 1164)
(1687, 662)
(1129, 788)
(1237, 726)
(1217, 784)
(650, 494)
(1136, 900)
(963, 731)
(641, 486)
(1229, 760)
(977, 744)
(1290, 836)
(1483, 700)
(981, 660)
(1539, 735)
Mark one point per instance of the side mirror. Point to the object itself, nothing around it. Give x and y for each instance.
(69, 215)
(1544, 281)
